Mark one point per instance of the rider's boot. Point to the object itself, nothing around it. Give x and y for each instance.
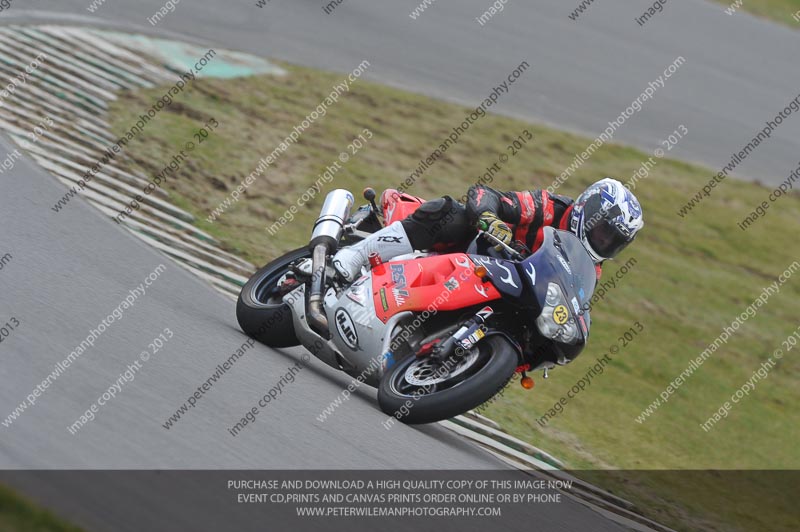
(389, 242)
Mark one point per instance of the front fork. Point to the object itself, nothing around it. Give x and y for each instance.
(465, 338)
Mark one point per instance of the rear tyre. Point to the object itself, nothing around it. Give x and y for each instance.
(261, 313)
(417, 390)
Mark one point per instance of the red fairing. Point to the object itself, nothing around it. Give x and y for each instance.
(439, 282)
(397, 205)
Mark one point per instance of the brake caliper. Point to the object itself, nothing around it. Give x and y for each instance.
(288, 284)
(427, 348)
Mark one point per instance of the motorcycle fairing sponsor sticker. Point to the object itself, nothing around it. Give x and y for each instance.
(451, 284)
(565, 264)
(399, 275)
(384, 301)
(399, 291)
(485, 313)
(575, 306)
(358, 293)
(399, 296)
(472, 339)
(346, 328)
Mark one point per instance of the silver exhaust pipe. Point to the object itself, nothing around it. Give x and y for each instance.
(325, 238)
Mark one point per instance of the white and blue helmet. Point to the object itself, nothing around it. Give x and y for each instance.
(606, 217)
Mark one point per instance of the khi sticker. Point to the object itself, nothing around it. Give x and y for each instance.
(560, 315)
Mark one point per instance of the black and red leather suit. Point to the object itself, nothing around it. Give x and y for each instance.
(445, 222)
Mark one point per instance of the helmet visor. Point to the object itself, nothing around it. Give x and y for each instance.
(606, 239)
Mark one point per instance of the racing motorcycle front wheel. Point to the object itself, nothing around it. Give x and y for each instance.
(424, 390)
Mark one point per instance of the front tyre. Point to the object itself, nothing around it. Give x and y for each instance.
(421, 390)
(261, 312)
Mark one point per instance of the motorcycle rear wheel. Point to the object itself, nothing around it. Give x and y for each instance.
(414, 391)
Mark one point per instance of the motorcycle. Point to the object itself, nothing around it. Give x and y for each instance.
(437, 333)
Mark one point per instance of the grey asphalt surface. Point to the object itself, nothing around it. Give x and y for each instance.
(70, 270)
(740, 71)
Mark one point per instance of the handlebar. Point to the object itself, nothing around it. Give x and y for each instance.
(512, 253)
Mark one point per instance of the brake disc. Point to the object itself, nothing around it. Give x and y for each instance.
(425, 371)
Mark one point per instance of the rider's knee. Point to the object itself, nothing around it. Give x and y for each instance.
(441, 220)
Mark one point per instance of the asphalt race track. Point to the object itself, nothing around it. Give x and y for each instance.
(70, 270)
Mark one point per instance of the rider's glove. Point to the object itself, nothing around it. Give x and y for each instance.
(496, 227)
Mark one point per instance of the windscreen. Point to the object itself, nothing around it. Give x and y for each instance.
(581, 275)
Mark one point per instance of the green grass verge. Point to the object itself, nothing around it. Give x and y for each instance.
(778, 10)
(693, 276)
(17, 514)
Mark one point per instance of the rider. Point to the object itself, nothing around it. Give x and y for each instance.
(606, 217)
